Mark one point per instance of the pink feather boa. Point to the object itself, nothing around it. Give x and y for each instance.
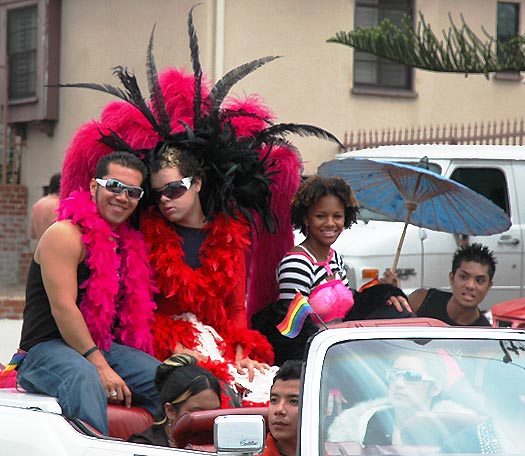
(120, 280)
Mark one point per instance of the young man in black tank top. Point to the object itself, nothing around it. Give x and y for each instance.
(473, 268)
(89, 301)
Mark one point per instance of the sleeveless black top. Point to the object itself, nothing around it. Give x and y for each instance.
(39, 324)
(435, 306)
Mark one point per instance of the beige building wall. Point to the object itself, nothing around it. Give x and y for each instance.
(311, 83)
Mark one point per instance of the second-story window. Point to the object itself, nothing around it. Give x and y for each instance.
(22, 52)
(507, 27)
(371, 71)
(30, 52)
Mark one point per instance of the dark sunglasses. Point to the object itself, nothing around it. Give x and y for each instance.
(407, 375)
(173, 190)
(117, 187)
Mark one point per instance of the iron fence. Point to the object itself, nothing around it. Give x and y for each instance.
(495, 132)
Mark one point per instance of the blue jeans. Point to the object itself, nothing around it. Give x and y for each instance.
(54, 368)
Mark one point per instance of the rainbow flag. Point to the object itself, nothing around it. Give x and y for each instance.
(8, 375)
(299, 309)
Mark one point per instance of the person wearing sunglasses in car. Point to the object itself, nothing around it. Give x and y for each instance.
(412, 387)
(89, 301)
(414, 384)
(201, 273)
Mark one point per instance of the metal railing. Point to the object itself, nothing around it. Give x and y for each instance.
(502, 132)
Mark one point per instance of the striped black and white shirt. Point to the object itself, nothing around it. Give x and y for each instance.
(299, 271)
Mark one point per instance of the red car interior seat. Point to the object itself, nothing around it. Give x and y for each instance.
(124, 422)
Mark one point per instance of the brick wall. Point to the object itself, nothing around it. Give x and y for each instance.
(25, 261)
(11, 307)
(14, 239)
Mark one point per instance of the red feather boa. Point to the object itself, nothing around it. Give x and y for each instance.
(117, 280)
(215, 292)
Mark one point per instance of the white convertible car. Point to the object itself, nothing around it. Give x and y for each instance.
(396, 387)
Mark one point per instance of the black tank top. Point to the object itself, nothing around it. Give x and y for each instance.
(435, 306)
(39, 324)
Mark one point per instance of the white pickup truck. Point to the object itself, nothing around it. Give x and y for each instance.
(497, 172)
(459, 391)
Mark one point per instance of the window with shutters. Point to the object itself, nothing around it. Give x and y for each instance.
(22, 52)
(29, 61)
(507, 32)
(370, 71)
(507, 26)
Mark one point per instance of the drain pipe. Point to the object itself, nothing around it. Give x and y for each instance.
(219, 39)
(5, 142)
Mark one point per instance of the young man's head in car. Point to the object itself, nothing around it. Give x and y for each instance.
(283, 411)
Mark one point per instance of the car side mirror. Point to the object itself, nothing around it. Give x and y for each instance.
(239, 434)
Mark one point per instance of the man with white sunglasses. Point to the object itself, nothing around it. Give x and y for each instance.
(86, 331)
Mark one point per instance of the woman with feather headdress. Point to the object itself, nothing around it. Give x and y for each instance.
(222, 178)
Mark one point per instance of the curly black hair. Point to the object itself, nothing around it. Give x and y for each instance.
(316, 187)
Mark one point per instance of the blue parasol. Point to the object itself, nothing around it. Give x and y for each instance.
(418, 196)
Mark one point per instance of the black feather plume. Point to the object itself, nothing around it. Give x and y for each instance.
(226, 115)
(267, 135)
(115, 142)
(197, 69)
(221, 89)
(158, 103)
(106, 88)
(131, 94)
(129, 81)
(237, 170)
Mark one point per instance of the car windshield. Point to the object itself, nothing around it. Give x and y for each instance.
(424, 396)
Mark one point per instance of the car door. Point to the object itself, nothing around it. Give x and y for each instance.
(497, 181)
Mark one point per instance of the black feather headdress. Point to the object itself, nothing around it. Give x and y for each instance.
(237, 168)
